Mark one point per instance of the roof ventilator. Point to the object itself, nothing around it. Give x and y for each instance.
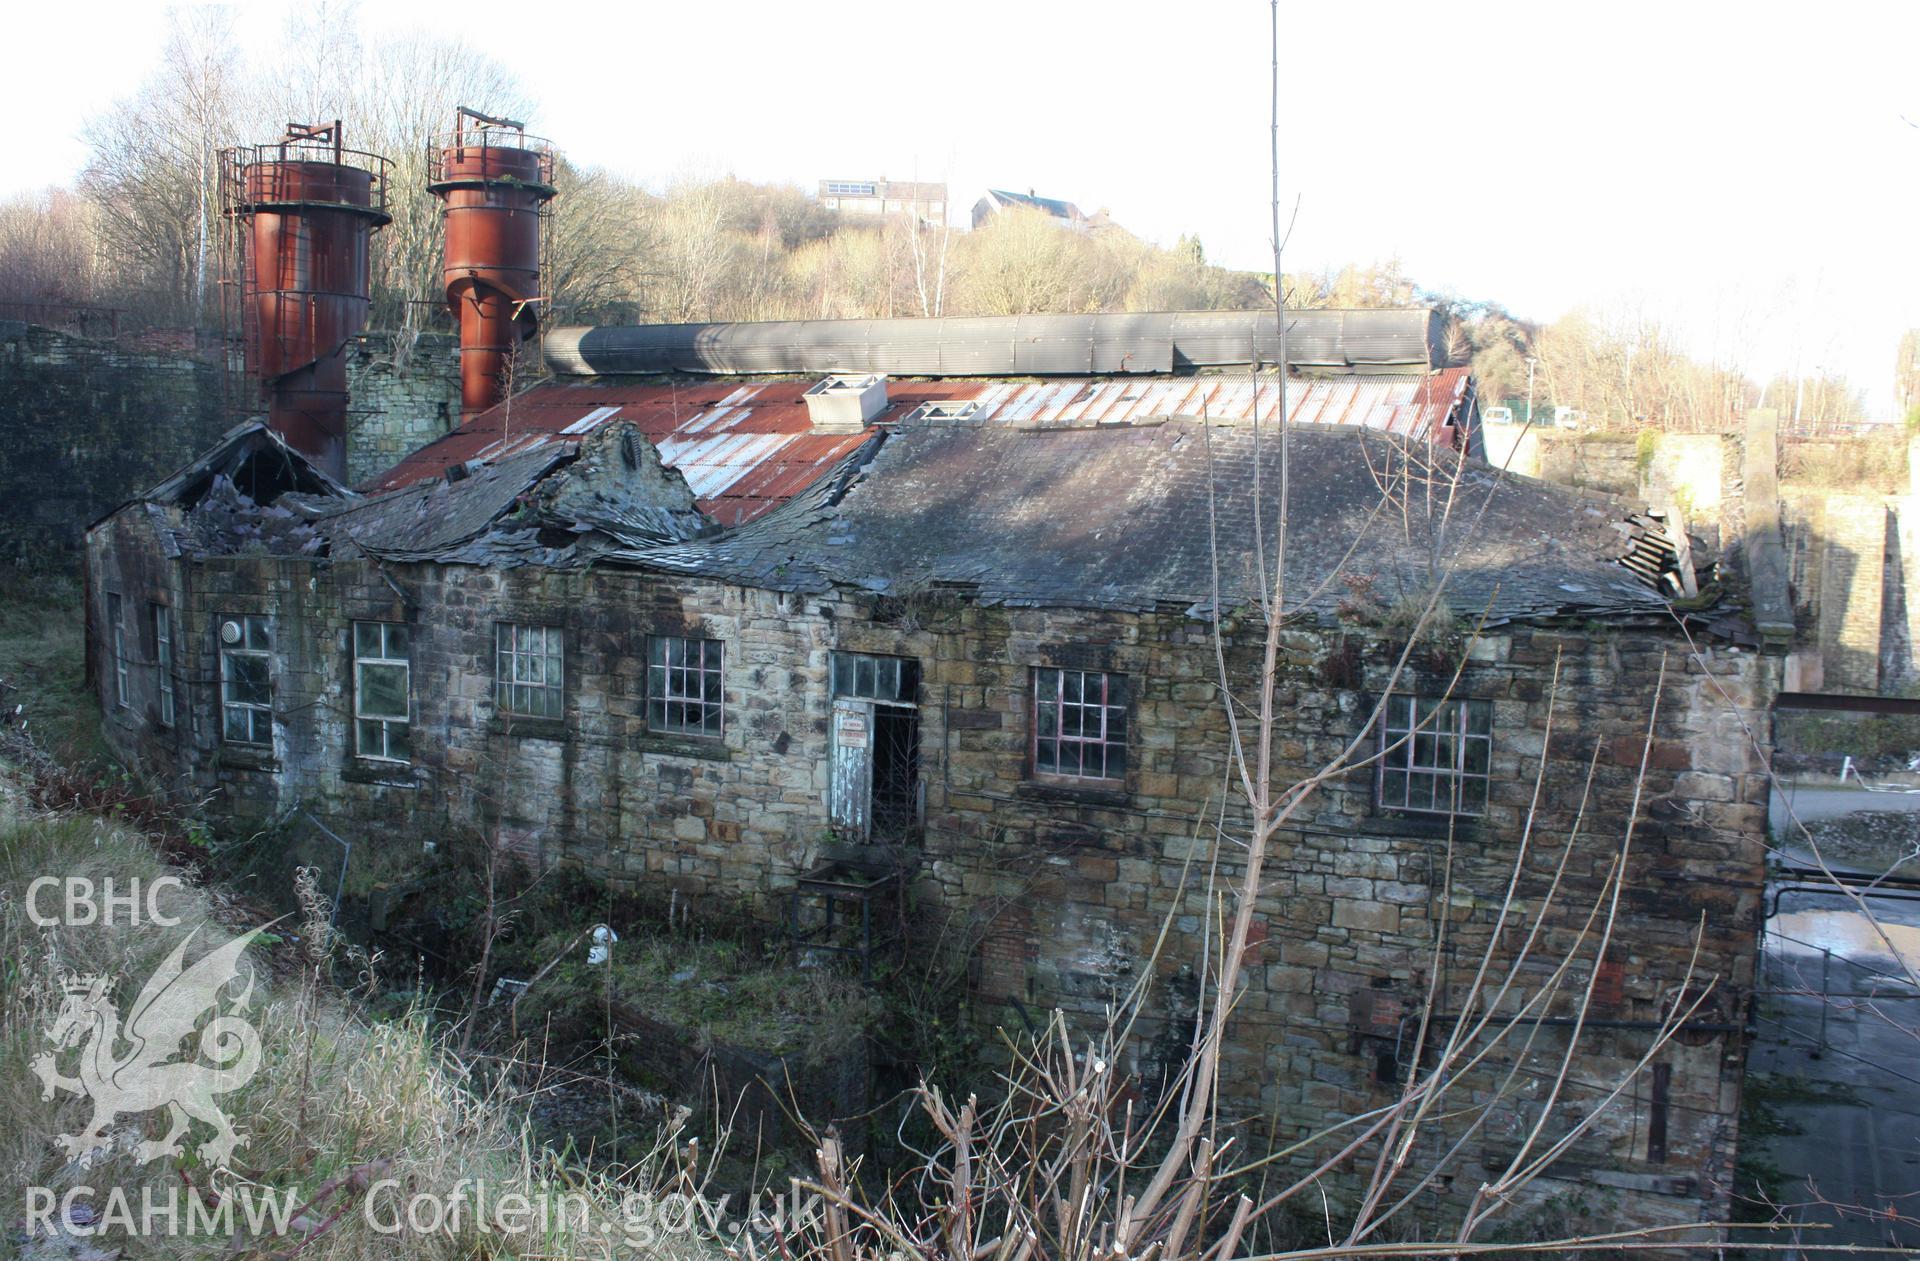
(845, 404)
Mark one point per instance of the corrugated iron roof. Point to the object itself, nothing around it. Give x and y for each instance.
(742, 448)
(747, 448)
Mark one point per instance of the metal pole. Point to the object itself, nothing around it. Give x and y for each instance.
(1826, 966)
(1530, 362)
(866, 939)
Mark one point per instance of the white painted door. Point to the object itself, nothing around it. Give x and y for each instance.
(850, 786)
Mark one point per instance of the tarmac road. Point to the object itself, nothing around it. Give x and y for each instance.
(1852, 1081)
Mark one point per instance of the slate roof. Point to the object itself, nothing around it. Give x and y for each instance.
(1055, 206)
(431, 519)
(1106, 517)
(1024, 507)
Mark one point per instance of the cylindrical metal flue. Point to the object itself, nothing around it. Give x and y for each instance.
(305, 209)
(496, 182)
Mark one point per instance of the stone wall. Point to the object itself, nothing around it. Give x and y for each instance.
(85, 424)
(1059, 890)
(1594, 461)
(1855, 586)
(403, 397)
(1856, 589)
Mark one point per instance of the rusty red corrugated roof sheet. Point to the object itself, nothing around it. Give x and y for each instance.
(747, 448)
(744, 449)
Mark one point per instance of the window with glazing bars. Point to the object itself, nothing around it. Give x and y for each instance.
(890, 680)
(1434, 755)
(163, 661)
(382, 691)
(684, 691)
(528, 679)
(117, 634)
(246, 682)
(1079, 723)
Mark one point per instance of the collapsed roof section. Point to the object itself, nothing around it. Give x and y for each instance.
(255, 461)
(742, 449)
(559, 505)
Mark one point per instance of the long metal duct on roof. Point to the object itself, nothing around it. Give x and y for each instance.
(1014, 345)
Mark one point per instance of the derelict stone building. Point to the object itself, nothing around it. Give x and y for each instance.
(694, 634)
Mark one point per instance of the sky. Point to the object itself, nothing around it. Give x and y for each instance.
(1748, 173)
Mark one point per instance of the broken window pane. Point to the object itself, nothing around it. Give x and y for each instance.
(1435, 754)
(684, 685)
(890, 680)
(528, 676)
(1079, 723)
(246, 680)
(382, 690)
(117, 631)
(163, 661)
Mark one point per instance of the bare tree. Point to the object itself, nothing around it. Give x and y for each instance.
(1022, 262)
(48, 249)
(696, 256)
(396, 98)
(598, 246)
(930, 249)
(152, 171)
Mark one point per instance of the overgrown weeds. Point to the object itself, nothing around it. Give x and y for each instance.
(345, 1120)
(43, 668)
(720, 991)
(1872, 465)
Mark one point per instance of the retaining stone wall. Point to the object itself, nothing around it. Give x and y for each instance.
(86, 424)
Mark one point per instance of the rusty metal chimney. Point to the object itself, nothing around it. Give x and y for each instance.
(496, 182)
(304, 210)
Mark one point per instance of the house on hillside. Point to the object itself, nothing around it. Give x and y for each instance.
(696, 634)
(1064, 213)
(884, 198)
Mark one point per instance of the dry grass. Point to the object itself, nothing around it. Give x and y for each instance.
(43, 666)
(339, 1101)
(1875, 465)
